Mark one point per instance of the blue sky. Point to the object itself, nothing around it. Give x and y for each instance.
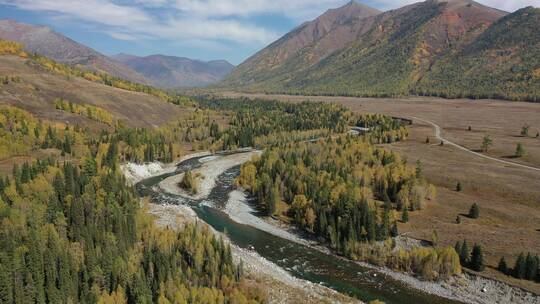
(200, 29)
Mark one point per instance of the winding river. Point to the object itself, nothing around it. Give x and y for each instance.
(301, 261)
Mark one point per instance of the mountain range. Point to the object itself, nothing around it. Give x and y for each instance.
(172, 72)
(46, 42)
(167, 72)
(453, 48)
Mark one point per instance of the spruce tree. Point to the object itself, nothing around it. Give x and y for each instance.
(474, 212)
(459, 187)
(519, 267)
(520, 150)
(394, 230)
(503, 267)
(457, 247)
(477, 258)
(405, 215)
(531, 267)
(384, 229)
(464, 254)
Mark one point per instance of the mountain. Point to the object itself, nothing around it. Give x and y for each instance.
(177, 72)
(46, 42)
(303, 47)
(29, 84)
(506, 56)
(409, 50)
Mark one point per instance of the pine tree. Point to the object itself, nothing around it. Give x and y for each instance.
(394, 230)
(520, 151)
(405, 215)
(272, 200)
(503, 267)
(384, 230)
(519, 267)
(458, 219)
(474, 211)
(371, 224)
(459, 187)
(464, 254)
(531, 267)
(477, 258)
(457, 247)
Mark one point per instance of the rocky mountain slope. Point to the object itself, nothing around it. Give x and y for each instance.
(303, 47)
(423, 48)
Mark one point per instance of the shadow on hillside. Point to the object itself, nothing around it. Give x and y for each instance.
(510, 157)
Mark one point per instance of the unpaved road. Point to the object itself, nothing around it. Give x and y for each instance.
(446, 141)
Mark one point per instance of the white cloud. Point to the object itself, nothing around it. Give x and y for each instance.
(127, 22)
(505, 5)
(510, 5)
(291, 8)
(209, 21)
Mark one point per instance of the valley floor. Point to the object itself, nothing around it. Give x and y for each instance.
(508, 196)
(469, 289)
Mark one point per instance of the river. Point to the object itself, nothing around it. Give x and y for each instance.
(301, 261)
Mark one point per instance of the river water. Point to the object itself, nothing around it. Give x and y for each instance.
(301, 261)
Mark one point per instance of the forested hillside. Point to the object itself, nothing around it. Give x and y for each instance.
(75, 232)
(35, 82)
(504, 62)
(456, 48)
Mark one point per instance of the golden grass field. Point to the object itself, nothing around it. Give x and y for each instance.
(508, 196)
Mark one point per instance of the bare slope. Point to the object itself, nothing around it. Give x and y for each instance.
(46, 42)
(37, 90)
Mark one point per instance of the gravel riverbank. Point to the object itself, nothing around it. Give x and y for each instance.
(207, 174)
(135, 173)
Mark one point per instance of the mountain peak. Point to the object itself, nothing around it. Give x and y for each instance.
(351, 10)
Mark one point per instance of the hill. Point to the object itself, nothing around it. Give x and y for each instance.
(412, 50)
(37, 85)
(46, 42)
(504, 62)
(303, 47)
(172, 72)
